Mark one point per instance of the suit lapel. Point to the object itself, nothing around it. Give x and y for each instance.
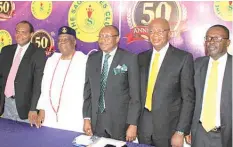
(10, 57)
(167, 61)
(25, 59)
(145, 69)
(201, 84)
(226, 85)
(98, 65)
(115, 62)
(203, 72)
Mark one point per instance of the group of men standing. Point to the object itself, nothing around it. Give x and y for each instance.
(160, 96)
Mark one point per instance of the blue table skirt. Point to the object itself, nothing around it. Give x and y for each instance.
(17, 134)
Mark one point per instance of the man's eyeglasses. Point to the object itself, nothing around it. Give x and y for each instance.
(106, 36)
(215, 39)
(159, 32)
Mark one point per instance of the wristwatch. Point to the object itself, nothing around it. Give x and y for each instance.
(180, 133)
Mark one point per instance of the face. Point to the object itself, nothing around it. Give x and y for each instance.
(66, 44)
(108, 39)
(23, 35)
(216, 42)
(159, 33)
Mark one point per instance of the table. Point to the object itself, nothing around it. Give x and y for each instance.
(18, 134)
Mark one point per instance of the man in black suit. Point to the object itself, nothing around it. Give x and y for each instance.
(111, 94)
(21, 69)
(212, 121)
(167, 91)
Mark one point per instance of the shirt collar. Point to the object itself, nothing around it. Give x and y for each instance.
(221, 59)
(112, 53)
(163, 50)
(24, 47)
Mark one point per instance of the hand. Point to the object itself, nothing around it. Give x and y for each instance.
(87, 127)
(32, 117)
(188, 139)
(131, 133)
(177, 140)
(40, 118)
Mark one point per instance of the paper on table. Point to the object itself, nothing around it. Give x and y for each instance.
(82, 140)
(101, 142)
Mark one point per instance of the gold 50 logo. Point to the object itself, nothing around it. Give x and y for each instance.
(43, 40)
(143, 12)
(7, 9)
(88, 18)
(5, 38)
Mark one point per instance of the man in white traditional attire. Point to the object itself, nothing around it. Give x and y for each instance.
(60, 103)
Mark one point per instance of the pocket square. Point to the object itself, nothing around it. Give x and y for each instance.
(120, 69)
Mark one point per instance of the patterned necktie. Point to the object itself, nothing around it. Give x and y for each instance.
(210, 99)
(151, 82)
(103, 82)
(10, 87)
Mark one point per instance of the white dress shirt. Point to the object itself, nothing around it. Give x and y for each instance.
(221, 69)
(25, 47)
(112, 54)
(162, 53)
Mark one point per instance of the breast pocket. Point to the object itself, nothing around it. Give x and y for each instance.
(121, 77)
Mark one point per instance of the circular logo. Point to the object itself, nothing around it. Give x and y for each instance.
(43, 40)
(88, 18)
(5, 39)
(143, 12)
(7, 9)
(41, 9)
(223, 9)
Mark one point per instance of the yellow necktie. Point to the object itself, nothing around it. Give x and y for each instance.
(151, 83)
(210, 99)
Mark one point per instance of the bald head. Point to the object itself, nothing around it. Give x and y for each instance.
(160, 21)
(159, 33)
(113, 28)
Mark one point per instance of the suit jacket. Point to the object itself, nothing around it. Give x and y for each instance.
(28, 78)
(122, 99)
(173, 95)
(201, 66)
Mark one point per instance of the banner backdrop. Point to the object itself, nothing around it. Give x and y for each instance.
(189, 21)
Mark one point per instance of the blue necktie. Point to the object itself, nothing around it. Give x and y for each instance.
(103, 82)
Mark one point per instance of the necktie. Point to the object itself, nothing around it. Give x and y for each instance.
(10, 87)
(103, 82)
(151, 83)
(210, 99)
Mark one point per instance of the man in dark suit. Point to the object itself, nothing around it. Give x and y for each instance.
(212, 121)
(111, 94)
(21, 69)
(167, 91)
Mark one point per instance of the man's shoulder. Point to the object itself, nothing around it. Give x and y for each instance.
(94, 54)
(145, 53)
(178, 51)
(9, 47)
(200, 60)
(125, 52)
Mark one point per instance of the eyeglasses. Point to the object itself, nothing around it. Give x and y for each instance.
(106, 36)
(215, 39)
(159, 32)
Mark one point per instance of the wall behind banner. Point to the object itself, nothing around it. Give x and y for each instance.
(189, 21)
